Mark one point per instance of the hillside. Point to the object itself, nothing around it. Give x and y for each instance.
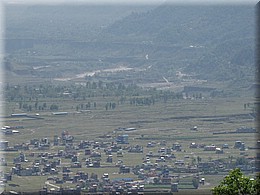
(186, 24)
(214, 43)
(219, 38)
(62, 22)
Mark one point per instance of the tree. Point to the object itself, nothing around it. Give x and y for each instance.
(237, 183)
(199, 159)
(36, 105)
(195, 183)
(54, 107)
(113, 106)
(107, 105)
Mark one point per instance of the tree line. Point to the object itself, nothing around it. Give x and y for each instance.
(45, 96)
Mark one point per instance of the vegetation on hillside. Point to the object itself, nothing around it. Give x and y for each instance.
(215, 43)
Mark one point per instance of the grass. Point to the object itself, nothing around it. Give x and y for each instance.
(26, 183)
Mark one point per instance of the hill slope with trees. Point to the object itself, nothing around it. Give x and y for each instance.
(219, 38)
(212, 42)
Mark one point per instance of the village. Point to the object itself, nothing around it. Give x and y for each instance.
(66, 161)
(152, 98)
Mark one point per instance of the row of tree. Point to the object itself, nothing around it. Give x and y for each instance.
(35, 97)
(82, 92)
(30, 107)
(87, 90)
(86, 106)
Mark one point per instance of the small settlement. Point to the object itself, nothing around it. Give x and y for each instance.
(66, 161)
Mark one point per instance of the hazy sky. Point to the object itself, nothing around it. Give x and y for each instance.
(134, 1)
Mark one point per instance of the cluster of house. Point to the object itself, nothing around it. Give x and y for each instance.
(8, 130)
(161, 167)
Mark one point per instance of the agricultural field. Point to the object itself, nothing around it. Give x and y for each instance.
(164, 122)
